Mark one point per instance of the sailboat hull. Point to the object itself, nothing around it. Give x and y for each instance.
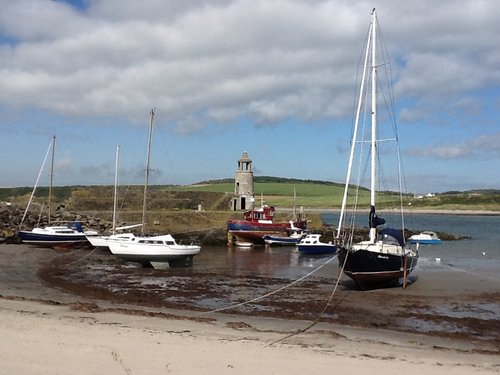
(371, 269)
(152, 250)
(52, 236)
(98, 241)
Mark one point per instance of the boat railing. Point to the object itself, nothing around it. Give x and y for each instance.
(190, 242)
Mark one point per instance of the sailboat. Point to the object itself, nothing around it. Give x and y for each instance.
(159, 251)
(69, 234)
(101, 240)
(385, 257)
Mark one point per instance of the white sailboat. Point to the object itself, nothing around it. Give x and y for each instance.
(159, 251)
(70, 234)
(101, 240)
(385, 257)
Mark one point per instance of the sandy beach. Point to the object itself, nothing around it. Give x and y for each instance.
(54, 326)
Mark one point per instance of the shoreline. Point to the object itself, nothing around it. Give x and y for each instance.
(93, 333)
(63, 338)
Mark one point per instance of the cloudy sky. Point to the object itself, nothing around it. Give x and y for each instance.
(273, 78)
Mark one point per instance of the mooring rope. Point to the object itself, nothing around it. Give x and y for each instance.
(272, 292)
(83, 257)
(318, 318)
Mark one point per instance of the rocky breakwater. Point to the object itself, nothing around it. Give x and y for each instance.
(187, 225)
(362, 233)
(12, 214)
(209, 228)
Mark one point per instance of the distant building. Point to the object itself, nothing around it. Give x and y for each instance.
(243, 185)
(428, 195)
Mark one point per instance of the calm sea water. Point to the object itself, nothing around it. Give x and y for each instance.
(479, 253)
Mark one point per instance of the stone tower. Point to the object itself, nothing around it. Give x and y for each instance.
(243, 185)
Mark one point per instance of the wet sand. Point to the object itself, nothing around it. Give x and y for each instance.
(88, 312)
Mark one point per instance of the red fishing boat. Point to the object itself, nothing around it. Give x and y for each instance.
(258, 223)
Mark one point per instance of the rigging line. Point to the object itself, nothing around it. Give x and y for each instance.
(318, 318)
(39, 216)
(388, 98)
(272, 292)
(361, 67)
(401, 182)
(36, 182)
(388, 71)
(362, 171)
(124, 197)
(85, 256)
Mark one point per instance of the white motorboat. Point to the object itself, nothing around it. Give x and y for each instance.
(426, 237)
(311, 244)
(293, 237)
(157, 251)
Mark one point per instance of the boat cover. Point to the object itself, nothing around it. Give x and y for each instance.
(76, 226)
(373, 219)
(397, 234)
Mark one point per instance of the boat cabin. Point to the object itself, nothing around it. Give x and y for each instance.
(261, 215)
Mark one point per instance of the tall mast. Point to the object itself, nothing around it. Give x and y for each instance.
(373, 231)
(146, 179)
(115, 194)
(51, 177)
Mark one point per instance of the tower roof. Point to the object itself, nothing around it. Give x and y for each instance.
(244, 157)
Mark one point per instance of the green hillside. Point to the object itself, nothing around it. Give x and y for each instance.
(323, 194)
(216, 195)
(282, 193)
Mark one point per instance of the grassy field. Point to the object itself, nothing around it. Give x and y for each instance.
(281, 194)
(307, 194)
(216, 196)
(322, 194)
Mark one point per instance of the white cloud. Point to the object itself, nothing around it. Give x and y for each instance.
(204, 62)
(481, 146)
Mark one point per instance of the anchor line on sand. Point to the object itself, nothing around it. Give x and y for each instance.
(318, 318)
(272, 292)
(83, 257)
